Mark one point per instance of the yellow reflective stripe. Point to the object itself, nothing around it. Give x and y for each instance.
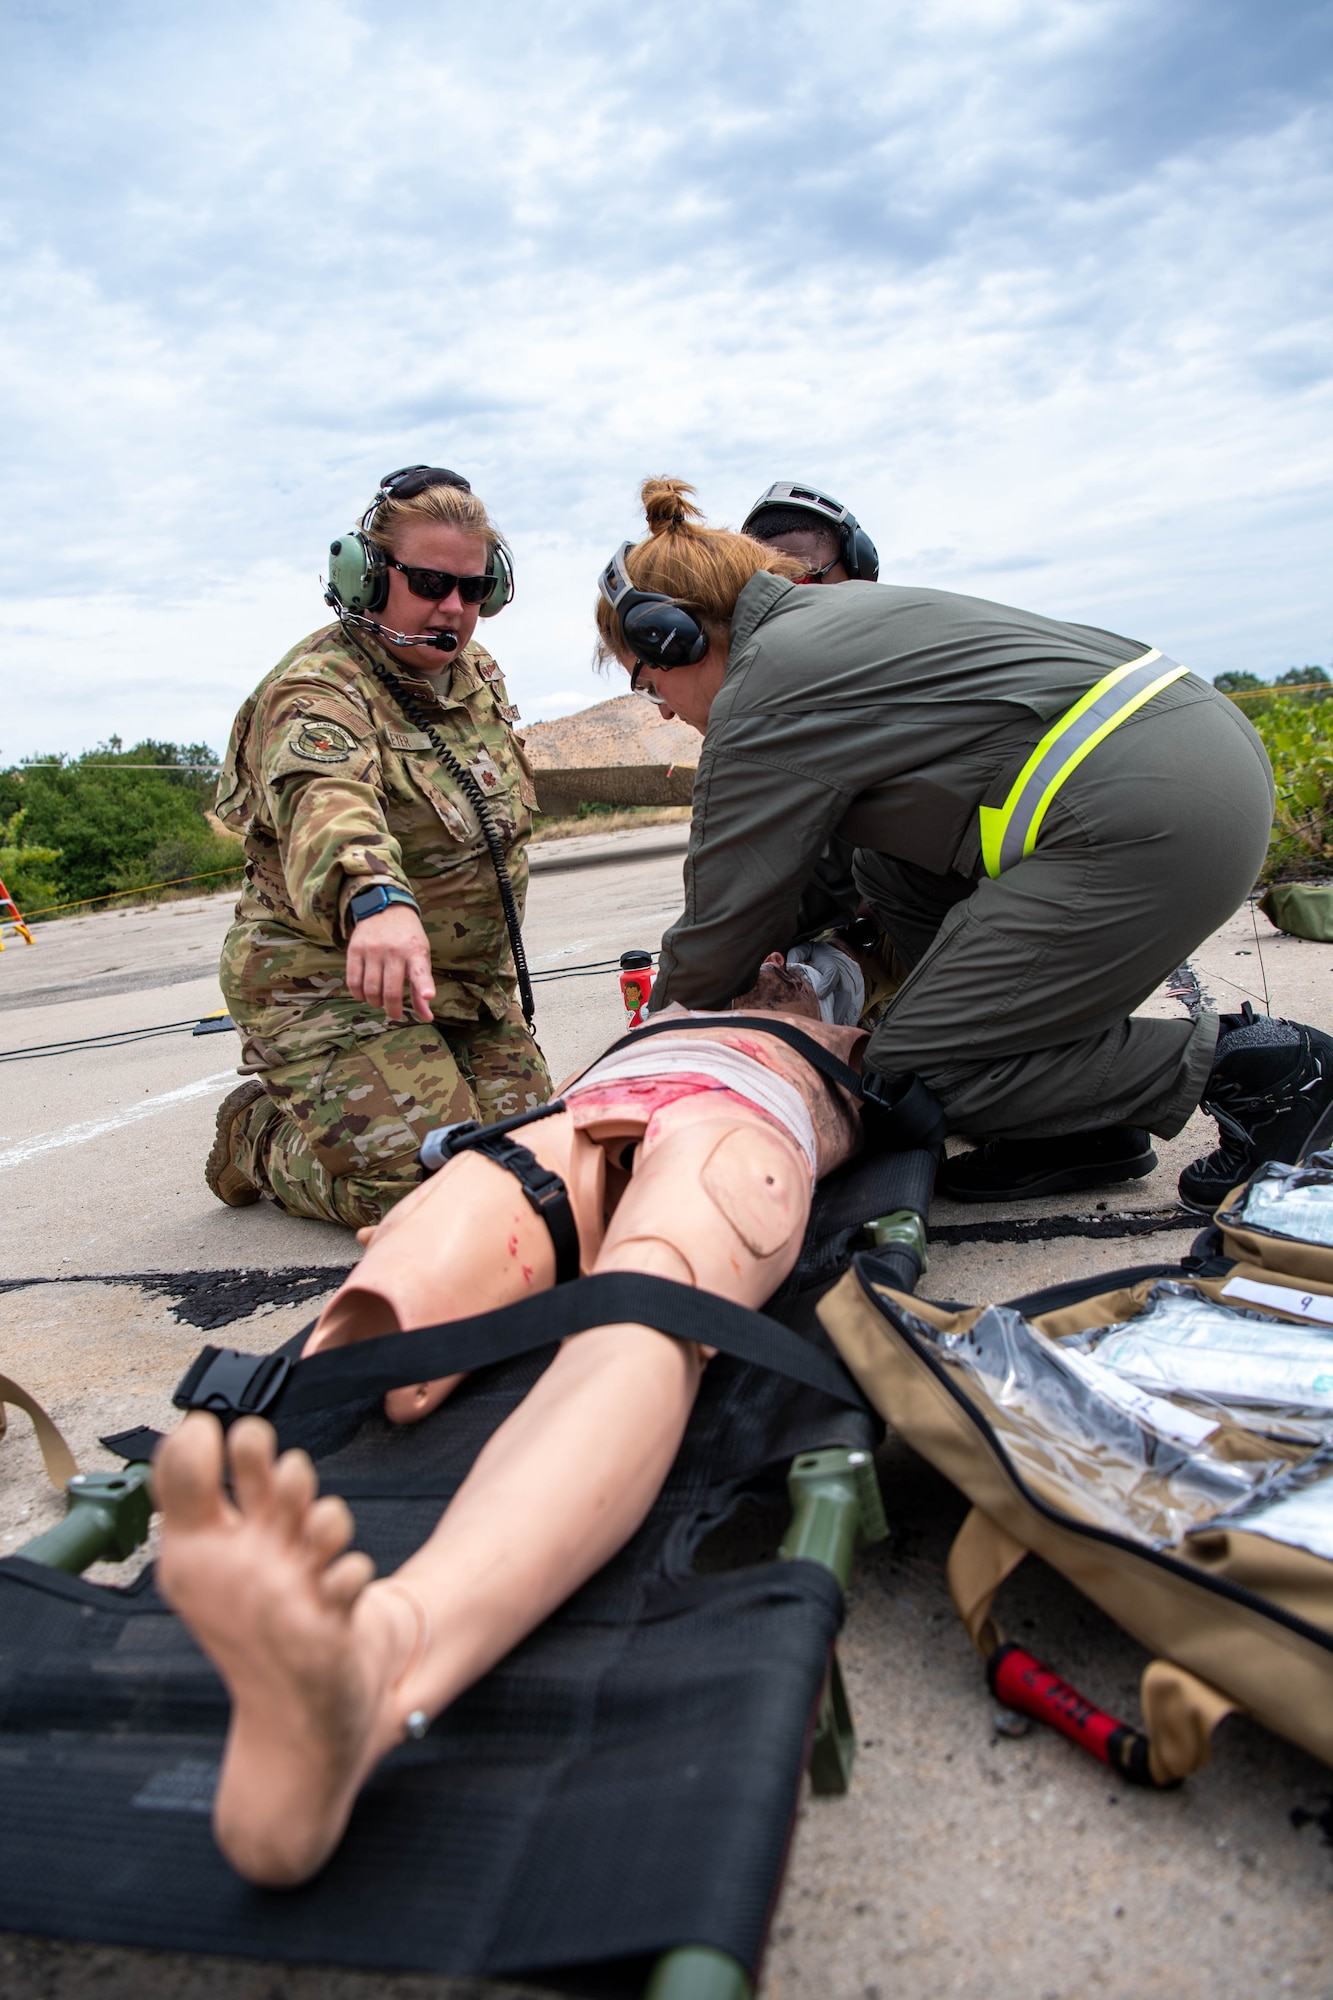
(996, 821)
(1090, 743)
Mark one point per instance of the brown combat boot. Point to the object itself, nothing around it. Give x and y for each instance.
(228, 1181)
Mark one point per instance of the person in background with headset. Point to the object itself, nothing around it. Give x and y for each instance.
(817, 530)
(1048, 819)
(386, 807)
(803, 522)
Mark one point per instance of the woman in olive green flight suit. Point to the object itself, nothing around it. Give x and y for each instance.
(1048, 818)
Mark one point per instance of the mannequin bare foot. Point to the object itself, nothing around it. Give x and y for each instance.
(310, 1656)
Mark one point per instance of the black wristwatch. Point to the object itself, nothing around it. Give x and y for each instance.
(369, 902)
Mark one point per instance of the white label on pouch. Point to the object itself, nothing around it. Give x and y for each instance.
(1283, 1298)
(1168, 1419)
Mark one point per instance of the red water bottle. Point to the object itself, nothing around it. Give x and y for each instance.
(636, 983)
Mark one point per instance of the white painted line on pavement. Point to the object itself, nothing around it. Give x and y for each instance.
(94, 1128)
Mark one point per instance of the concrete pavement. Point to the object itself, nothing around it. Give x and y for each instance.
(962, 1862)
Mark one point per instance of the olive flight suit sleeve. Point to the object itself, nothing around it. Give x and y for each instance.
(831, 895)
(319, 766)
(759, 829)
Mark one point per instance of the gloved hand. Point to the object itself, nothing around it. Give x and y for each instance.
(836, 979)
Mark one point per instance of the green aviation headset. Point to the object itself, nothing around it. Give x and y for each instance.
(358, 582)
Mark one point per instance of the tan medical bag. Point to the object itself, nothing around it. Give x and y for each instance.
(1235, 1619)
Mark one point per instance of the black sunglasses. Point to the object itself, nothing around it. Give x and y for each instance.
(441, 583)
(642, 667)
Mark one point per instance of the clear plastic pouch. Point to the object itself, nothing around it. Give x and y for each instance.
(1093, 1444)
(1187, 1344)
(1292, 1202)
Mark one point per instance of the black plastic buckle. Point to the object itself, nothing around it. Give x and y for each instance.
(232, 1385)
(540, 1184)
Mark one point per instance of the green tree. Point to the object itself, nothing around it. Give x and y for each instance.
(117, 825)
(1311, 679)
(1237, 683)
(28, 872)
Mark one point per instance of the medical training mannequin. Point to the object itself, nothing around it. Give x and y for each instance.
(689, 1157)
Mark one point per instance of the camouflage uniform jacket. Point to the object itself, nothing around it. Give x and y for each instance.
(333, 788)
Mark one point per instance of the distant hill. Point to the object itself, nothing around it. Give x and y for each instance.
(618, 753)
(627, 730)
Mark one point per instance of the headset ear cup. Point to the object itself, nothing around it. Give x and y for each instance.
(358, 573)
(503, 571)
(661, 632)
(861, 558)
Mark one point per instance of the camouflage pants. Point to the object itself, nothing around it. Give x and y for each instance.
(336, 1135)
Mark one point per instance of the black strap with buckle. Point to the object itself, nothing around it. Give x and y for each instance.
(546, 1193)
(545, 1190)
(232, 1385)
(370, 1368)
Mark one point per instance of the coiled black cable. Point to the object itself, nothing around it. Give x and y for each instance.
(472, 791)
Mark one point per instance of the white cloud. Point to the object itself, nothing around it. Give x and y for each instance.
(1041, 288)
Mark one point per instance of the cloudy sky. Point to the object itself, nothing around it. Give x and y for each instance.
(1040, 287)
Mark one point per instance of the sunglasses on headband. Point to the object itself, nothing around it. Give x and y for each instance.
(441, 583)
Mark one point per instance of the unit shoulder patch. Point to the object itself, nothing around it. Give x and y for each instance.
(323, 742)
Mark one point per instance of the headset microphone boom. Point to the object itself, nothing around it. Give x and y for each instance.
(444, 642)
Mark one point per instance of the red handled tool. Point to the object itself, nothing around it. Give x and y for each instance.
(1022, 1683)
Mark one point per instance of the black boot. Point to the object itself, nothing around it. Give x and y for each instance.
(1270, 1083)
(1013, 1169)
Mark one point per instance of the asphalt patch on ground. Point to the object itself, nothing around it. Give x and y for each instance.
(1046, 1228)
(209, 1299)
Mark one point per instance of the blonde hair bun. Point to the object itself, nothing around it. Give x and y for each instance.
(667, 504)
(701, 568)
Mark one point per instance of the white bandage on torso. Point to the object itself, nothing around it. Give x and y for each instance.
(696, 1057)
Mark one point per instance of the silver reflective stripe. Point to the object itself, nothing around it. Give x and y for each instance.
(1009, 832)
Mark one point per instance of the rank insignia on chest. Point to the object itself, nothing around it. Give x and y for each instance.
(486, 772)
(324, 742)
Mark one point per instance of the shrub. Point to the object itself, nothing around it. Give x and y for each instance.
(28, 872)
(1297, 736)
(196, 853)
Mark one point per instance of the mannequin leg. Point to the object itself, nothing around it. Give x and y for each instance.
(464, 1242)
(323, 1666)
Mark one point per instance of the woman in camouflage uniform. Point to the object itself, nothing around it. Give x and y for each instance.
(340, 795)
